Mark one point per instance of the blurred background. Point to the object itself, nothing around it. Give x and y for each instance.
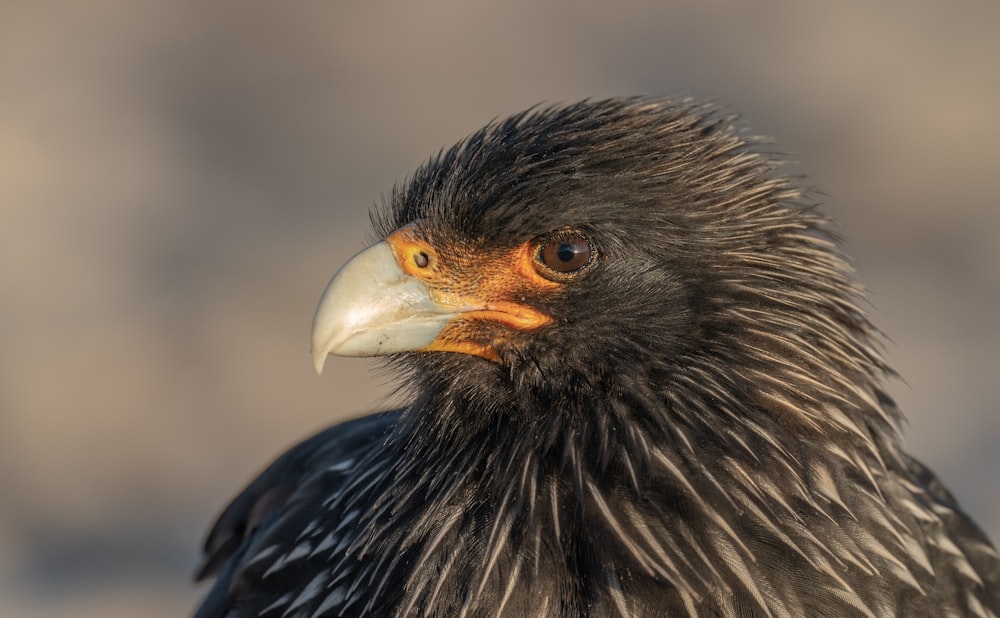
(179, 180)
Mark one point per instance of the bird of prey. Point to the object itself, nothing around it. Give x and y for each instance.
(640, 382)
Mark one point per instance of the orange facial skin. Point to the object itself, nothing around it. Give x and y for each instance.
(487, 291)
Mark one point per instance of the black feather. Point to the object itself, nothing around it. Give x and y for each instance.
(702, 431)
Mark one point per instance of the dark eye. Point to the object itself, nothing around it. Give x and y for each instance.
(566, 253)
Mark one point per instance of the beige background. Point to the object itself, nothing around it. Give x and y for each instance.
(178, 181)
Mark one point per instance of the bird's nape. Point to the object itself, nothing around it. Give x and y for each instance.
(640, 383)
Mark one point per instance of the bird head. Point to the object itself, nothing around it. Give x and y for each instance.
(573, 246)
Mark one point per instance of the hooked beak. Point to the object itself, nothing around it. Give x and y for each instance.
(372, 308)
(399, 296)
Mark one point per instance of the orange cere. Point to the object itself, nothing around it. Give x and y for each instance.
(485, 289)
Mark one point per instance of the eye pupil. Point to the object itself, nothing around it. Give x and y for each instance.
(566, 253)
(421, 260)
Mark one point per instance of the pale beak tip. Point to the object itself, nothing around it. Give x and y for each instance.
(319, 359)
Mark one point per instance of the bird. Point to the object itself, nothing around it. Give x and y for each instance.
(638, 379)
